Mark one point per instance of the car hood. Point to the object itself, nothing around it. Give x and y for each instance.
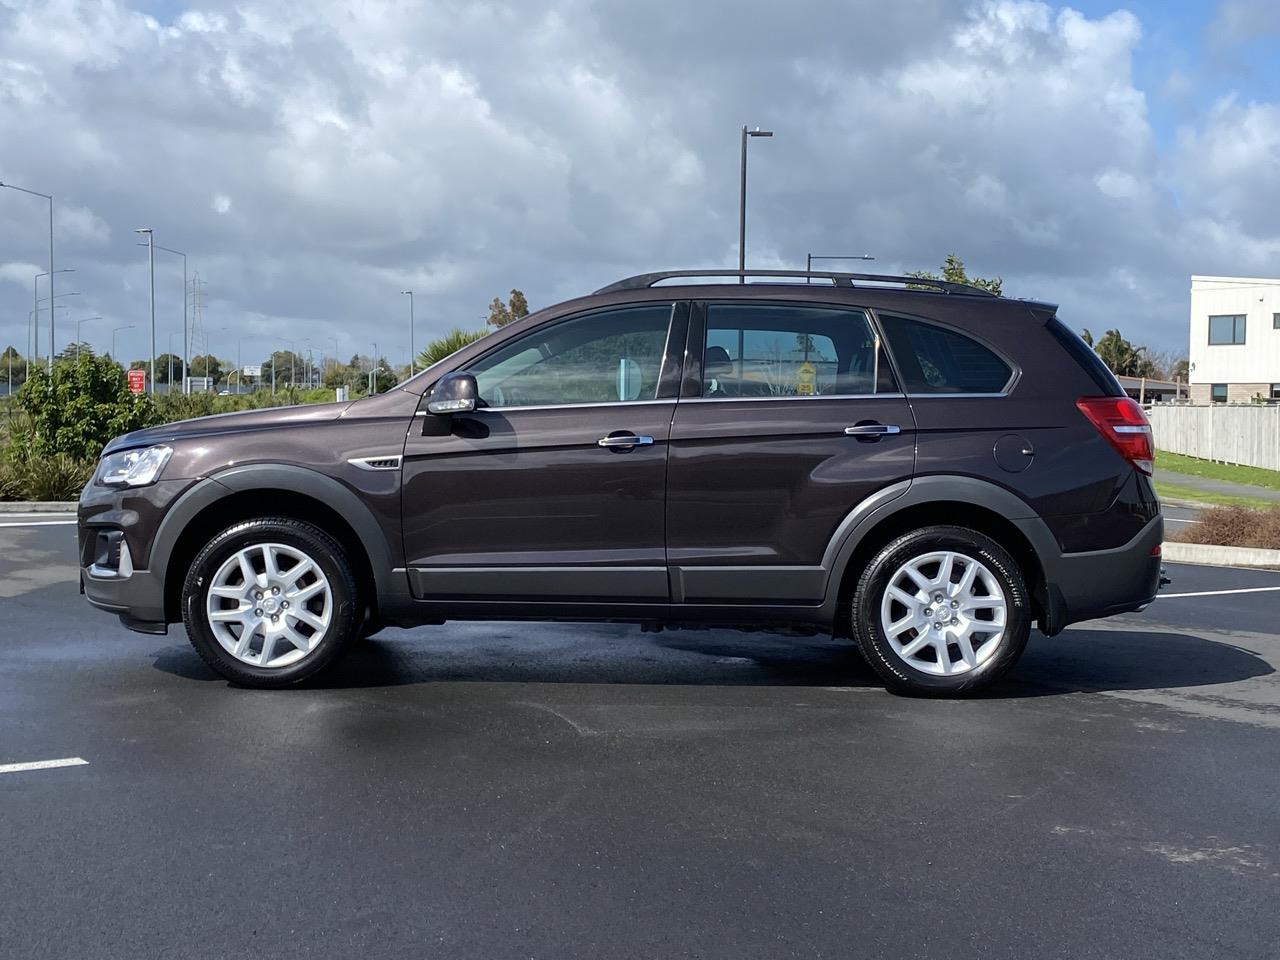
(241, 421)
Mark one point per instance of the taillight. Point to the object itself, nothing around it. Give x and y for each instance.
(1125, 426)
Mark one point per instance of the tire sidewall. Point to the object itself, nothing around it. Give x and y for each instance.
(897, 673)
(317, 545)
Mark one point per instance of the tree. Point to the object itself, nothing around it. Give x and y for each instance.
(73, 350)
(1123, 357)
(953, 271)
(450, 343)
(290, 368)
(500, 314)
(13, 369)
(162, 367)
(205, 365)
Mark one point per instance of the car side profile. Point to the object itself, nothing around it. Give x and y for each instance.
(918, 465)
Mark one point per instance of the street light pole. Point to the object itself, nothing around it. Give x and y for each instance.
(186, 349)
(78, 322)
(35, 314)
(129, 326)
(151, 257)
(742, 201)
(373, 370)
(413, 357)
(36, 193)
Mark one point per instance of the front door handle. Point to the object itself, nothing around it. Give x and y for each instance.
(623, 441)
(873, 430)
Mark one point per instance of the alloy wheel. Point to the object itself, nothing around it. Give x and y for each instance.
(269, 605)
(944, 613)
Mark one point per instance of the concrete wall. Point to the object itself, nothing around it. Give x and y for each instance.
(1249, 435)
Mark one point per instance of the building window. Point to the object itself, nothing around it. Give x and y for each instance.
(1226, 329)
(1275, 321)
(1275, 391)
(1218, 393)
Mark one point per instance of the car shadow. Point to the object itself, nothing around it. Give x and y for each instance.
(1079, 660)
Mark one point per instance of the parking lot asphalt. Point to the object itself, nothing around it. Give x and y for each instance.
(562, 791)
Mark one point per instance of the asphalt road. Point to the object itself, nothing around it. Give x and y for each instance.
(510, 791)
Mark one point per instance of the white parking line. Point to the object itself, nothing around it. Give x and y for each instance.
(1178, 520)
(42, 765)
(1219, 593)
(41, 523)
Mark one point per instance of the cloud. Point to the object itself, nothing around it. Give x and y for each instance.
(313, 159)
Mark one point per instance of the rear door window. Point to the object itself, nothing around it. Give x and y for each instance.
(935, 359)
(786, 350)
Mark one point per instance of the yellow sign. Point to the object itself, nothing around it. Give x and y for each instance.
(806, 379)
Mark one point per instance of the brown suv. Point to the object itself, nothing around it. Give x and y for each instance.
(917, 464)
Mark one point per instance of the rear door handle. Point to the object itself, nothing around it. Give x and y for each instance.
(873, 430)
(619, 440)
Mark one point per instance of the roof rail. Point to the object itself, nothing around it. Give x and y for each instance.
(645, 280)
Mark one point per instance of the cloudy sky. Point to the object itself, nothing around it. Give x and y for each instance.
(315, 158)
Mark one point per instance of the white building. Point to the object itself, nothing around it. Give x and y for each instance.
(1235, 339)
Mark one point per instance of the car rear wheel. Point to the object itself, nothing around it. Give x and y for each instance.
(941, 611)
(270, 602)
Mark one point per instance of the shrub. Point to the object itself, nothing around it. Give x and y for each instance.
(25, 476)
(1235, 527)
(78, 409)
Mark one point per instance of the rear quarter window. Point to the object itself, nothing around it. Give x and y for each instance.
(935, 359)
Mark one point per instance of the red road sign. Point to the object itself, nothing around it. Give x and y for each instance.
(137, 381)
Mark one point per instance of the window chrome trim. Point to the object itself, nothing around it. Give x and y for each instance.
(957, 396)
(897, 395)
(574, 406)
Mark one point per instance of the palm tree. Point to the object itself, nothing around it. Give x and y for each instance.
(450, 343)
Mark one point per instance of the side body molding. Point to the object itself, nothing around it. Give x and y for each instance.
(278, 481)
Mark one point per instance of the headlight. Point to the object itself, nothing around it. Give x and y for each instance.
(133, 468)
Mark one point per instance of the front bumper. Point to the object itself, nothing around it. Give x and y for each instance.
(1102, 583)
(138, 598)
(125, 586)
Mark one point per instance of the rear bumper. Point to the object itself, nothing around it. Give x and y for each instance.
(1101, 583)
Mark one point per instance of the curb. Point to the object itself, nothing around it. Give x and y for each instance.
(38, 506)
(1212, 555)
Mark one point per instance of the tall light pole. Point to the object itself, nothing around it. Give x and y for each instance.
(808, 261)
(742, 201)
(413, 356)
(128, 326)
(35, 303)
(373, 370)
(151, 257)
(186, 348)
(78, 322)
(36, 193)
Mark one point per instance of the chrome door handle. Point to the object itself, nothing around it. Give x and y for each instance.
(624, 440)
(873, 430)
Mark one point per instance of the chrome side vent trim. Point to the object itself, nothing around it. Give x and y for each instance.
(376, 463)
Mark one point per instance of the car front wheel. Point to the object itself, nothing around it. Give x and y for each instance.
(941, 611)
(270, 602)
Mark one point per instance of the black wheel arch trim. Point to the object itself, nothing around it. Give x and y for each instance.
(918, 491)
(279, 478)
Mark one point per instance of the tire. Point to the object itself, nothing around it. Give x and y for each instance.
(308, 632)
(963, 644)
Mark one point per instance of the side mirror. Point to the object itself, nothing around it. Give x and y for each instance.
(454, 393)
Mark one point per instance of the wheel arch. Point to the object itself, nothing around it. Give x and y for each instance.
(242, 493)
(956, 501)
